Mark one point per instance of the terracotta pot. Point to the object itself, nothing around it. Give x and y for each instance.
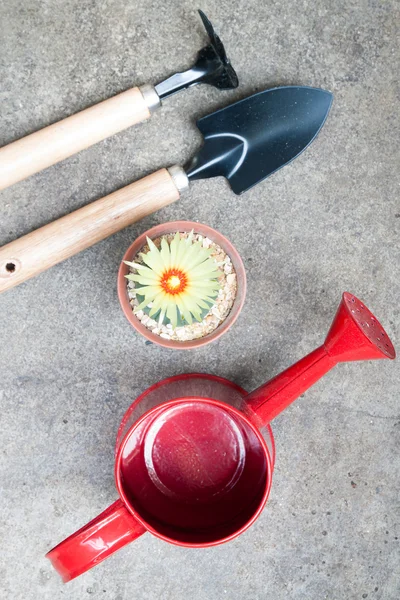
(172, 227)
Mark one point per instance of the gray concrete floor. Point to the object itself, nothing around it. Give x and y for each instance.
(329, 222)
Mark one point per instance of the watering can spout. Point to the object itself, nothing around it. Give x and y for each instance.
(355, 334)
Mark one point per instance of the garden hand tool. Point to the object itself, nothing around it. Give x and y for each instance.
(52, 144)
(245, 142)
(195, 453)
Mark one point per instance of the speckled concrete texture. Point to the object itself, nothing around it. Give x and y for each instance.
(329, 222)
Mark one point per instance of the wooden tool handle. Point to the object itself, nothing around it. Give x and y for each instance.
(37, 251)
(48, 146)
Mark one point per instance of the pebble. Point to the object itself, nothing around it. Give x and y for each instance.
(216, 312)
(231, 278)
(227, 268)
(140, 314)
(180, 333)
(219, 259)
(165, 336)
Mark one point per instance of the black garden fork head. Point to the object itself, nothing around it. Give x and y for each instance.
(212, 67)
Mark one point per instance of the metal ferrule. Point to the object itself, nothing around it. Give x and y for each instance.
(150, 96)
(179, 177)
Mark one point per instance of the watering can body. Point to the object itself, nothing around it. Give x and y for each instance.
(195, 453)
(190, 468)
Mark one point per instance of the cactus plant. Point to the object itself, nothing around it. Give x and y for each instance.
(178, 282)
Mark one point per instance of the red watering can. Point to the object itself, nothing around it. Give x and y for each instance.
(195, 453)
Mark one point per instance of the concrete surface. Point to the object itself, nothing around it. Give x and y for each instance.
(71, 365)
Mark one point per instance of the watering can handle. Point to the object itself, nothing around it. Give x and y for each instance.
(37, 251)
(54, 143)
(90, 545)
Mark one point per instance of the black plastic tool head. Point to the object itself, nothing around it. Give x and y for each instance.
(212, 66)
(220, 74)
(251, 139)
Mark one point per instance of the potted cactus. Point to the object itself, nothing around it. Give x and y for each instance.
(181, 284)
